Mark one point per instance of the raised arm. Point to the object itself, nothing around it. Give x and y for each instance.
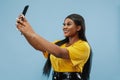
(38, 42)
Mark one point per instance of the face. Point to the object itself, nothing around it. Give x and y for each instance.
(69, 28)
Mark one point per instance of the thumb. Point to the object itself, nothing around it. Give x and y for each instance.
(23, 18)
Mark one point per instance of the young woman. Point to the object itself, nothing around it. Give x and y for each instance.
(71, 57)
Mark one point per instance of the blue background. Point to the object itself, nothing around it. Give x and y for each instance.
(20, 61)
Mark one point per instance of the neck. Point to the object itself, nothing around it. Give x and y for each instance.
(73, 39)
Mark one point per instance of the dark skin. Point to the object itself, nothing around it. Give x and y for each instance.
(39, 43)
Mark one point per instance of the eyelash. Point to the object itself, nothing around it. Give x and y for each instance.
(68, 24)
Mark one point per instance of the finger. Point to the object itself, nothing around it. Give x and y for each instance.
(19, 21)
(23, 17)
(19, 27)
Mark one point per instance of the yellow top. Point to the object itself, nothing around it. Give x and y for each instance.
(78, 52)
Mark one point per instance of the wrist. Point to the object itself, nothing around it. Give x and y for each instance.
(30, 35)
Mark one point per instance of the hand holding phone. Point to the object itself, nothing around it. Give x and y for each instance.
(24, 12)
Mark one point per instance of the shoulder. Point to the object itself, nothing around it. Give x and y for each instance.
(82, 45)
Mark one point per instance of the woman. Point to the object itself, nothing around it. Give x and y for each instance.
(71, 57)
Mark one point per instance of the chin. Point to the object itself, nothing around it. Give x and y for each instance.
(66, 36)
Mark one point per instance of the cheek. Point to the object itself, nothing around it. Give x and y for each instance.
(73, 32)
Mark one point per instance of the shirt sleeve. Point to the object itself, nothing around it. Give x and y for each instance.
(45, 54)
(79, 53)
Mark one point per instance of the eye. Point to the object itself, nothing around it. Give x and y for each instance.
(68, 24)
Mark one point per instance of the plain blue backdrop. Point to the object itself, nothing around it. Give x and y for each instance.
(20, 61)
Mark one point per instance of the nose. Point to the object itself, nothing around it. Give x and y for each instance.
(64, 27)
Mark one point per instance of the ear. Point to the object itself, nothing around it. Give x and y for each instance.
(78, 28)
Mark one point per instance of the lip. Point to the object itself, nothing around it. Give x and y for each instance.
(65, 31)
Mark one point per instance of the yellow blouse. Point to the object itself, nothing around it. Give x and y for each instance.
(78, 52)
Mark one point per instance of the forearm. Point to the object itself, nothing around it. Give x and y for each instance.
(31, 38)
(43, 45)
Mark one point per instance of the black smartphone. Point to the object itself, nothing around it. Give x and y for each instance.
(25, 10)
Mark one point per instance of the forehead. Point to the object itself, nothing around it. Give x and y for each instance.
(69, 20)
